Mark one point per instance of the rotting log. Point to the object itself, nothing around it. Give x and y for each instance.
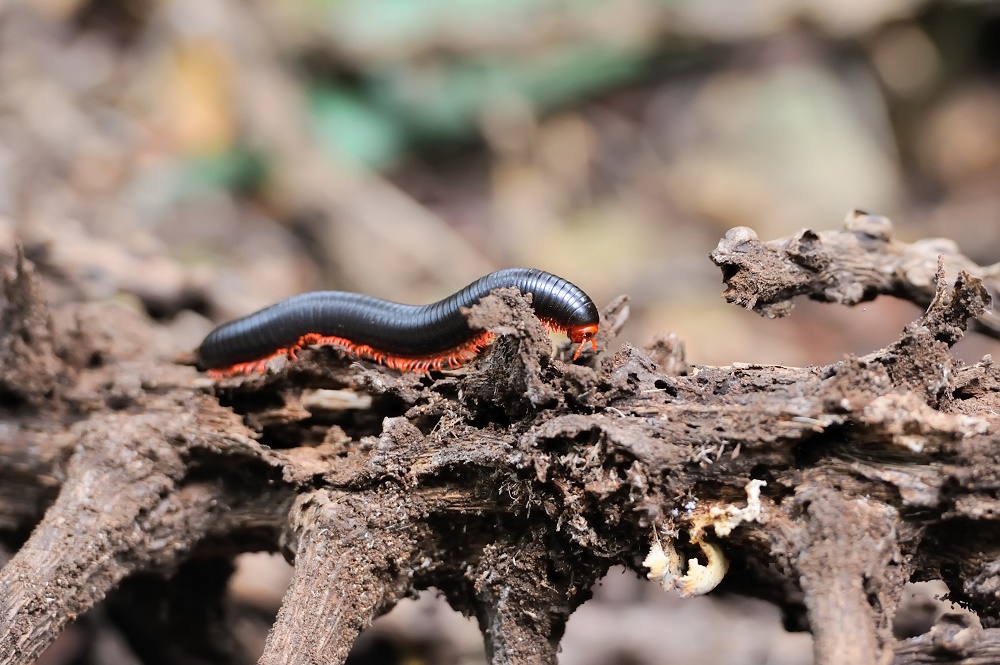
(514, 483)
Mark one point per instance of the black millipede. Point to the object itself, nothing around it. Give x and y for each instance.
(405, 337)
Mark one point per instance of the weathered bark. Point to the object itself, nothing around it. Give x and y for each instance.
(364, 560)
(510, 485)
(847, 267)
(848, 590)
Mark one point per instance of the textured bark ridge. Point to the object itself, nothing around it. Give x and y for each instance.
(514, 483)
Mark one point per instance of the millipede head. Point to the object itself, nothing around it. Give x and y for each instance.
(582, 335)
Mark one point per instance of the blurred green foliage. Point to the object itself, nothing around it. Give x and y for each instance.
(394, 107)
(240, 169)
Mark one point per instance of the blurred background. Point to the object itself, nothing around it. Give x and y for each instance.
(198, 159)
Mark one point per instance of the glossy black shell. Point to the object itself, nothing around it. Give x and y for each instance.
(390, 327)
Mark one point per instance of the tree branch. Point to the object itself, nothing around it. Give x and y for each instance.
(113, 516)
(850, 594)
(848, 266)
(363, 557)
(513, 483)
(955, 638)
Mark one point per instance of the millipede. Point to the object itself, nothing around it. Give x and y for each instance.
(404, 337)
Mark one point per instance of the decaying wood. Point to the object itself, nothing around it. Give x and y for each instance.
(512, 484)
(846, 268)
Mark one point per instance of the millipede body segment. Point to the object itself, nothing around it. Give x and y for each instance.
(406, 337)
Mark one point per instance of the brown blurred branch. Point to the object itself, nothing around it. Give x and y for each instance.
(955, 638)
(354, 208)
